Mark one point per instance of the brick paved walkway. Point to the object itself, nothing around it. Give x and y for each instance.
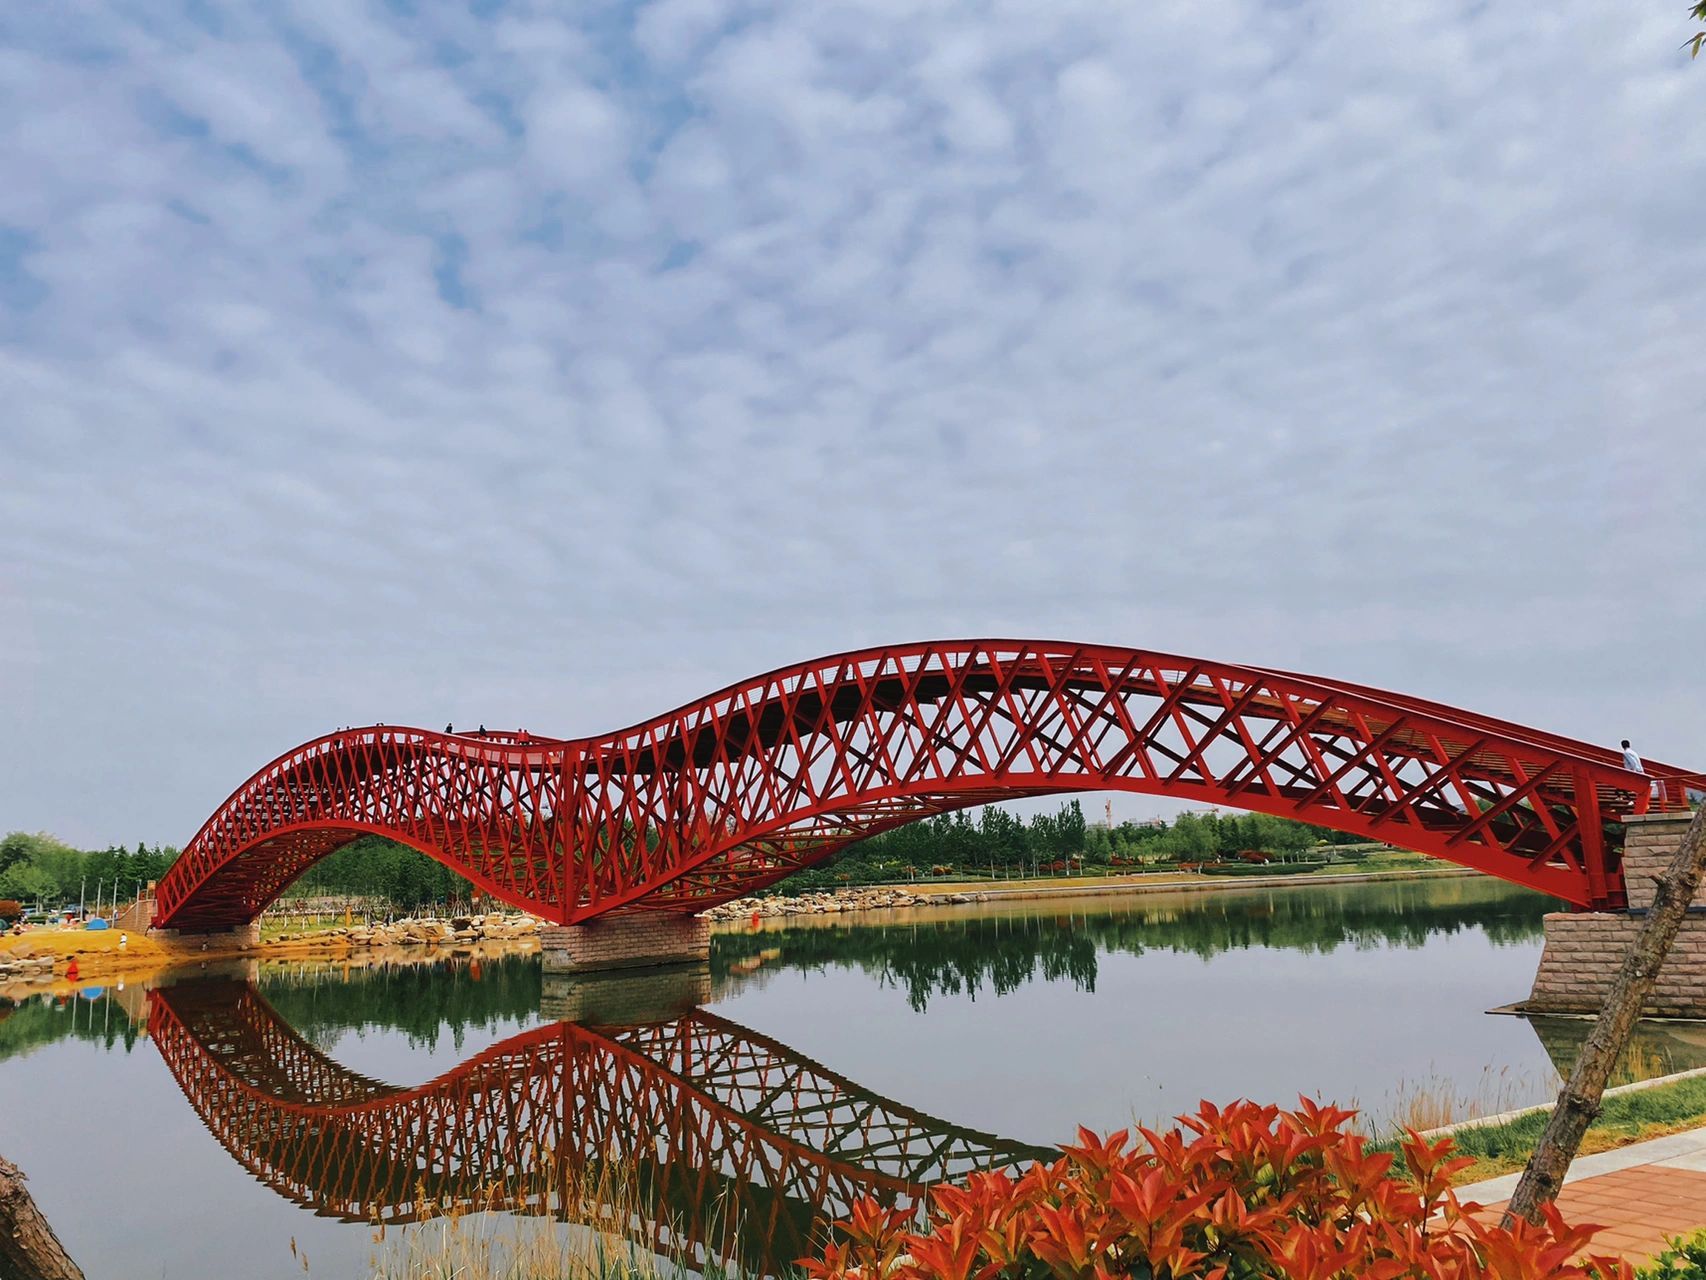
(1641, 1194)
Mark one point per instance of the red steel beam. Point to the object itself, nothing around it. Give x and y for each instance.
(738, 790)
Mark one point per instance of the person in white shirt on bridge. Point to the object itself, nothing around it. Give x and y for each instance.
(1632, 762)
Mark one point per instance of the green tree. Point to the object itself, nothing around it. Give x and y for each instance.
(27, 883)
(1069, 830)
(38, 866)
(22, 846)
(1191, 836)
(1098, 843)
(14, 848)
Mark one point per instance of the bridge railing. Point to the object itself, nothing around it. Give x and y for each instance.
(1677, 793)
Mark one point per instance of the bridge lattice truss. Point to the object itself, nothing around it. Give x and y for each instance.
(718, 1140)
(733, 793)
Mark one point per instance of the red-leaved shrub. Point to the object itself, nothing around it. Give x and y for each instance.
(1241, 1192)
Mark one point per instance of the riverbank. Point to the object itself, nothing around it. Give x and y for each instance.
(886, 897)
(40, 960)
(1643, 1111)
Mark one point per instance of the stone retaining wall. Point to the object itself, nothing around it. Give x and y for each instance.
(1585, 948)
(242, 935)
(1649, 844)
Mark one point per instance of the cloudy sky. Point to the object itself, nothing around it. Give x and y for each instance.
(550, 366)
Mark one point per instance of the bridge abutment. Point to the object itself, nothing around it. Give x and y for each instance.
(242, 935)
(1585, 948)
(642, 940)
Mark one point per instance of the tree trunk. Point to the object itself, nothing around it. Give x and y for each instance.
(28, 1248)
(1578, 1104)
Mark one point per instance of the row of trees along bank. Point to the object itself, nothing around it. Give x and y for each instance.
(37, 869)
(997, 843)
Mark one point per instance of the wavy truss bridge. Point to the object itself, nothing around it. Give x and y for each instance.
(720, 1142)
(732, 793)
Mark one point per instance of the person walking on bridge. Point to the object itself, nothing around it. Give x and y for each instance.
(1632, 762)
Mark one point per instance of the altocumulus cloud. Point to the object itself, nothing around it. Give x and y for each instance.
(552, 365)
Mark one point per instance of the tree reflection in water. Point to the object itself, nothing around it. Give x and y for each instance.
(1000, 946)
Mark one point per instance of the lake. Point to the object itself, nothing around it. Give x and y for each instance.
(261, 1120)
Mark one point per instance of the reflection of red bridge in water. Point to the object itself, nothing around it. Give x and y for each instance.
(736, 1144)
(732, 793)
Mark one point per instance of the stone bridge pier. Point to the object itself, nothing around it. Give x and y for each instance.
(1585, 948)
(636, 940)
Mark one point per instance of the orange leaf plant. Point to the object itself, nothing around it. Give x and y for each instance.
(1237, 1193)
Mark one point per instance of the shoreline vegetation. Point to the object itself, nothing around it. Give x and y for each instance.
(949, 860)
(38, 960)
(1498, 1145)
(958, 892)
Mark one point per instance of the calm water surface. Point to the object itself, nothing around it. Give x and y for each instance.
(210, 1125)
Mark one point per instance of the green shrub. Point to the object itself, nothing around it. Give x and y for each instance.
(1685, 1259)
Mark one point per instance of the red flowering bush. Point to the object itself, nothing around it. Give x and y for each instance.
(1241, 1192)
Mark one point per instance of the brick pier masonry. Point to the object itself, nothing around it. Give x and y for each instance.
(241, 935)
(627, 997)
(1585, 948)
(637, 941)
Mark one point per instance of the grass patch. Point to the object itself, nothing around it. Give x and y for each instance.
(273, 928)
(575, 1220)
(1261, 869)
(1628, 1117)
(1434, 1101)
(1397, 860)
(1093, 880)
(1136, 877)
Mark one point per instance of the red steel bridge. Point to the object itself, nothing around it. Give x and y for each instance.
(695, 1134)
(732, 793)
